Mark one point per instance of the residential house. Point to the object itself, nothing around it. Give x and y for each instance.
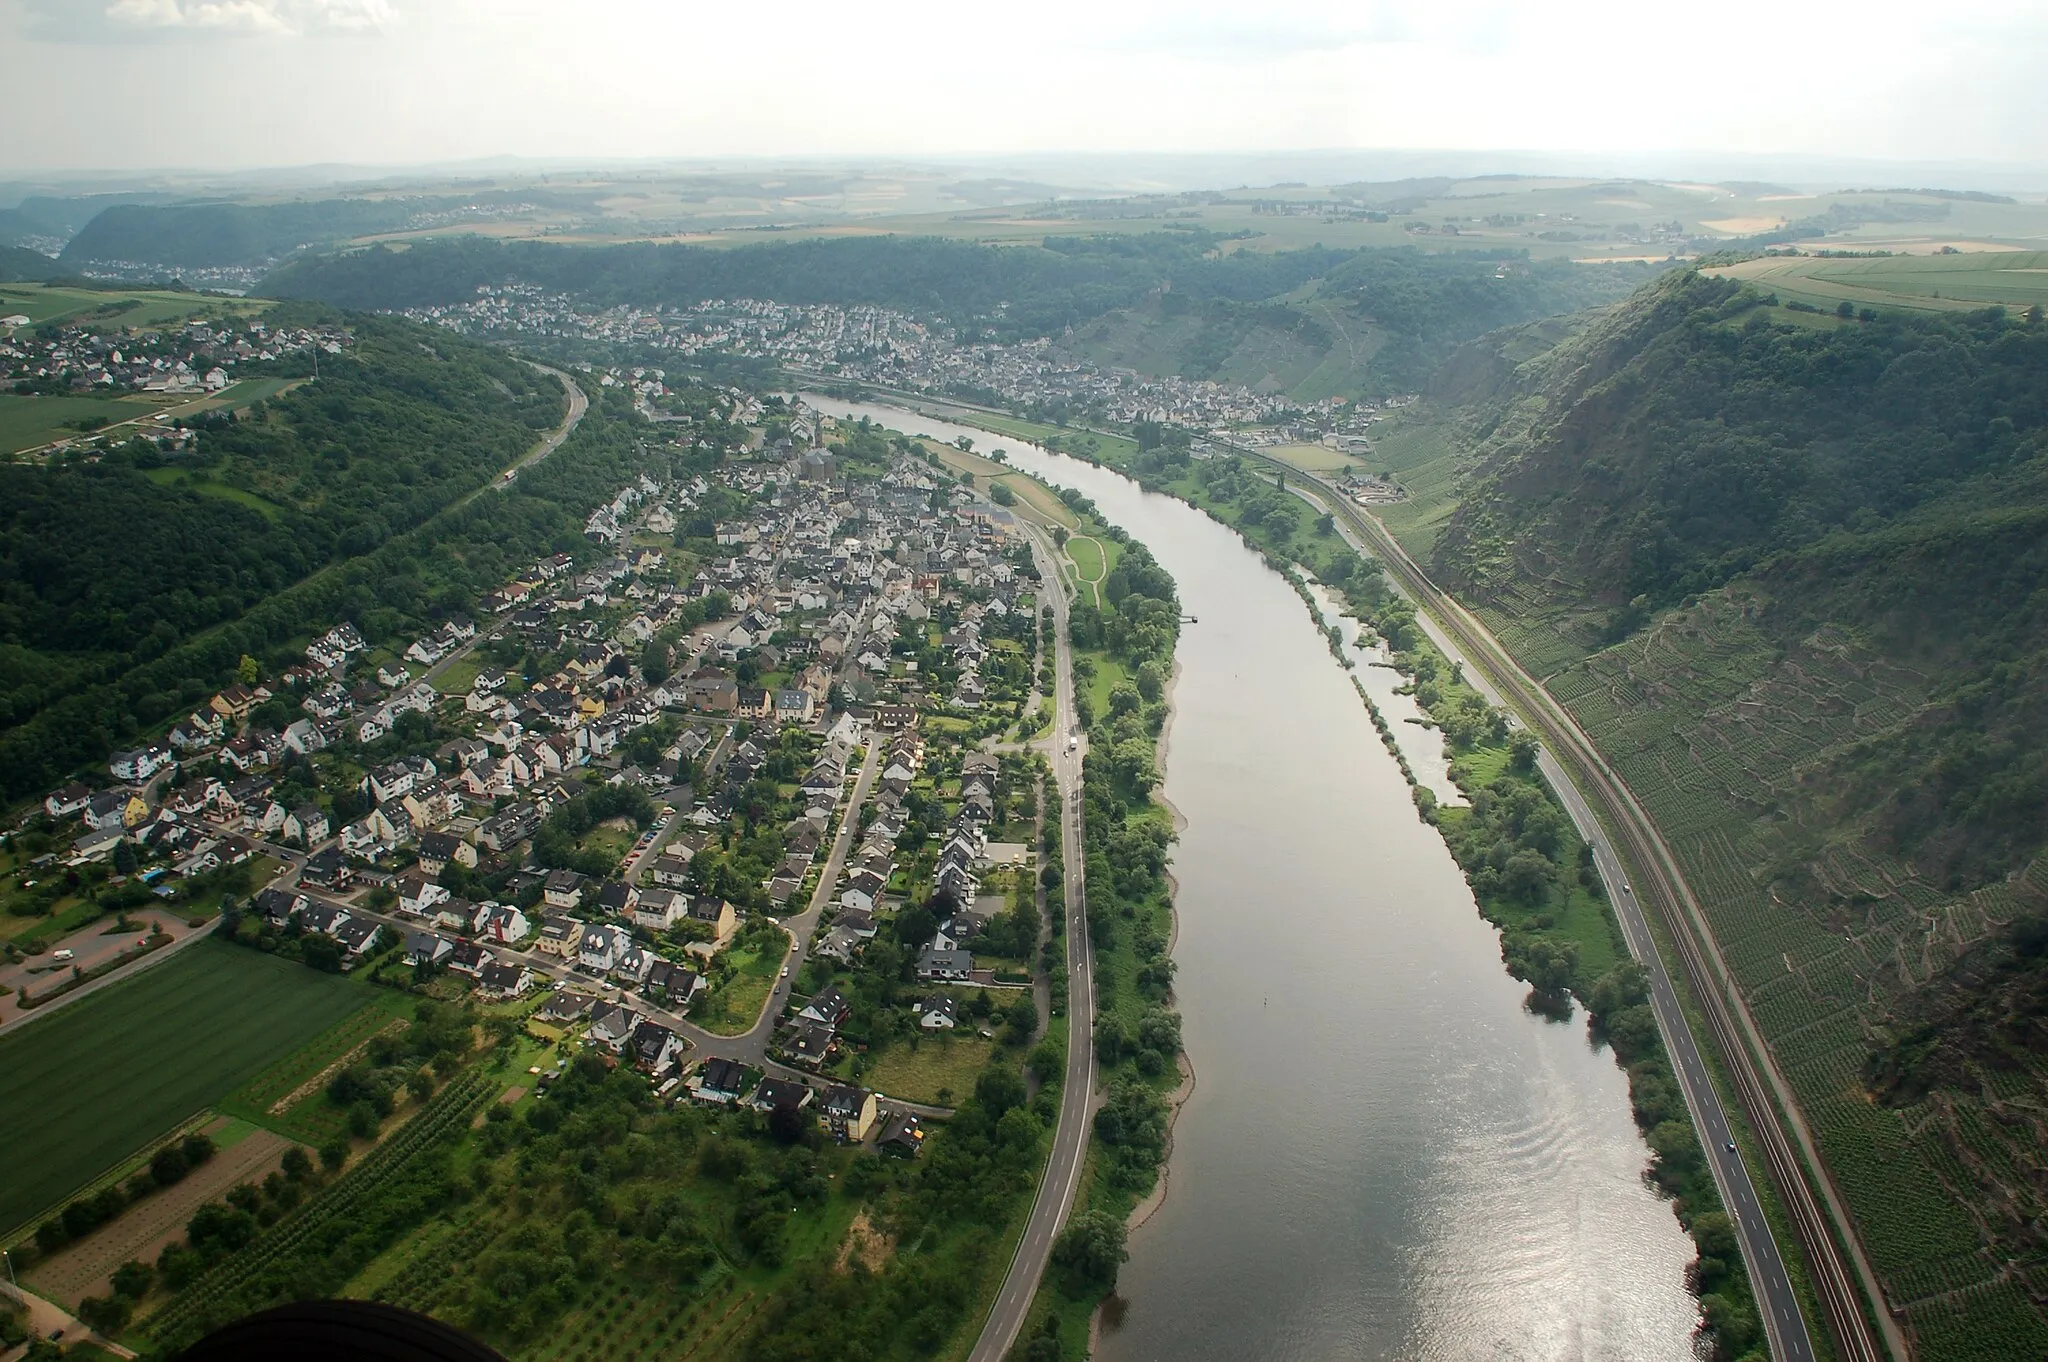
(564, 1006)
(721, 1082)
(656, 1049)
(941, 963)
(278, 906)
(657, 910)
(437, 849)
(850, 1113)
(677, 983)
(828, 1008)
(306, 825)
(563, 889)
(560, 936)
(938, 1013)
(505, 981)
(357, 938)
(900, 1134)
(600, 947)
(136, 765)
(427, 948)
(417, 894)
(328, 869)
(782, 1092)
(617, 899)
(811, 1046)
(612, 1026)
(502, 923)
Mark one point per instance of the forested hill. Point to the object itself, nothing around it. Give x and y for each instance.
(1791, 572)
(106, 567)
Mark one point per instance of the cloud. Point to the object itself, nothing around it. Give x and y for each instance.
(101, 21)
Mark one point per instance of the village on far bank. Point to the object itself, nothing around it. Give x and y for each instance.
(739, 793)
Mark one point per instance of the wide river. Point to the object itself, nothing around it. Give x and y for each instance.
(1384, 1155)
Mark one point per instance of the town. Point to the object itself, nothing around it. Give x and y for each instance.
(886, 347)
(691, 796)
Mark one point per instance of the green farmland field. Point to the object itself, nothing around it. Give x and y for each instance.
(26, 422)
(88, 1086)
(1972, 279)
(119, 308)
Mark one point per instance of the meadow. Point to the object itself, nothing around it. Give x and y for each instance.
(142, 309)
(30, 422)
(108, 1074)
(1928, 283)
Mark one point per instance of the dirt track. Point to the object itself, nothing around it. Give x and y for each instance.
(82, 1269)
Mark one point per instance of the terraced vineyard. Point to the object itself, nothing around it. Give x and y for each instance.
(1722, 735)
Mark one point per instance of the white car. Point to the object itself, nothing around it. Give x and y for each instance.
(62, 955)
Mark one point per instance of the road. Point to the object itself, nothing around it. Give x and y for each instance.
(1573, 766)
(578, 404)
(1077, 1098)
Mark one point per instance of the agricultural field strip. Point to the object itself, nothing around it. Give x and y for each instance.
(215, 1012)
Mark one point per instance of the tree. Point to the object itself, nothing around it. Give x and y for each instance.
(1000, 493)
(248, 671)
(998, 1090)
(655, 660)
(334, 1153)
(1089, 1252)
(1022, 1017)
(124, 857)
(132, 1279)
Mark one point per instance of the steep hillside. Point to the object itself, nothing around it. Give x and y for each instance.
(1791, 572)
(1378, 322)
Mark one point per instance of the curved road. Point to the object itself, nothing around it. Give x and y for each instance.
(1077, 1097)
(1495, 673)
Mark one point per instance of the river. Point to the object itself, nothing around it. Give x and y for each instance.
(1385, 1155)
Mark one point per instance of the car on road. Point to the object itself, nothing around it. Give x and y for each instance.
(1073, 743)
(62, 955)
(785, 971)
(1731, 1146)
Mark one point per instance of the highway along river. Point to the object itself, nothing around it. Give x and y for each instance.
(1384, 1155)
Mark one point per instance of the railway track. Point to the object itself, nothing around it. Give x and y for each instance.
(1839, 1270)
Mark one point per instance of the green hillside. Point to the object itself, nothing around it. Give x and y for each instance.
(1377, 322)
(1794, 581)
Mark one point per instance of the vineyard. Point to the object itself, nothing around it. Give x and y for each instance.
(315, 1251)
(1726, 737)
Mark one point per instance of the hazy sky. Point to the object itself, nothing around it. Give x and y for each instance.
(221, 83)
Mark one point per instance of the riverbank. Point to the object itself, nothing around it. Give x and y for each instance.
(1404, 1157)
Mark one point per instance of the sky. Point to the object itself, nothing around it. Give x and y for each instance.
(143, 84)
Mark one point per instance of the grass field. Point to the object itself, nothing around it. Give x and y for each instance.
(732, 1008)
(205, 486)
(27, 422)
(106, 1075)
(139, 308)
(941, 1070)
(254, 1100)
(1318, 458)
(2015, 279)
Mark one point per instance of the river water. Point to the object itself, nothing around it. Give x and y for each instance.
(1384, 1155)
